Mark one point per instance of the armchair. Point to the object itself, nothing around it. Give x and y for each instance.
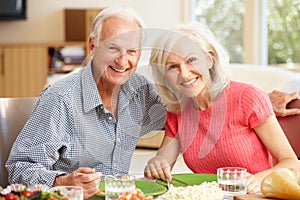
(14, 113)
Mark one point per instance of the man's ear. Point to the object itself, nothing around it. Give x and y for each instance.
(91, 45)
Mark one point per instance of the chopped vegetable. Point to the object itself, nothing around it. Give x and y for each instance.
(137, 194)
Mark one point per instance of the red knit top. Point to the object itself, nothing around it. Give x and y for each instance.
(223, 134)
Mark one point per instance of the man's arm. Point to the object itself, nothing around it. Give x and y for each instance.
(279, 102)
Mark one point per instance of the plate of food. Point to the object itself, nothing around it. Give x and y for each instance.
(190, 179)
(22, 192)
(147, 187)
(205, 190)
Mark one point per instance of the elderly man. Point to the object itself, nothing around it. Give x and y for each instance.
(88, 123)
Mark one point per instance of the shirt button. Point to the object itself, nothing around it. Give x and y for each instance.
(102, 107)
(115, 165)
(118, 139)
(110, 118)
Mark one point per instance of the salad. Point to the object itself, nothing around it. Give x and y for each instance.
(21, 192)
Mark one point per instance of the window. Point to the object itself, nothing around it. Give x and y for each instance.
(283, 31)
(254, 31)
(225, 19)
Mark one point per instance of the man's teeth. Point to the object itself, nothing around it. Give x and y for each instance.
(118, 70)
(189, 82)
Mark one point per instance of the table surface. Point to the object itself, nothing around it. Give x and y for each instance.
(240, 197)
(252, 197)
(141, 157)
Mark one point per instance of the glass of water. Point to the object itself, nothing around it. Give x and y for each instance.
(118, 184)
(71, 192)
(232, 180)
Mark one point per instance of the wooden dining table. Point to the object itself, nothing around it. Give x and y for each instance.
(238, 197)
(252, 197)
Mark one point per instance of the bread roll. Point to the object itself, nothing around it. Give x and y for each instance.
(282, 183)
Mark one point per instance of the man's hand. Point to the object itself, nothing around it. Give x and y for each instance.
(85, 177)
(279, 102)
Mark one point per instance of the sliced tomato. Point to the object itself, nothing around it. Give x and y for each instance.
(26, 193)
(16, 197)
(53, 198)
(100, 191)
(10, 196)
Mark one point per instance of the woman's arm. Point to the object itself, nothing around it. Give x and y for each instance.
(160, 166)
(273, 137)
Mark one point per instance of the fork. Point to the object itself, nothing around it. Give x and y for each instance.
(169, 183)
(175, 179)
(179, 181)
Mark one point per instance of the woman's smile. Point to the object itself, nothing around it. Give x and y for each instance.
(189, 83)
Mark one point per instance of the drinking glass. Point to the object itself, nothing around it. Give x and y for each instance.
(118, 184)
(71, 192)
(232, 180)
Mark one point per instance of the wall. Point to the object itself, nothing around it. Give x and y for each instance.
(45, 19)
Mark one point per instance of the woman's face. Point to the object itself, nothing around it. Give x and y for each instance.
(185, 68)
(116, 58)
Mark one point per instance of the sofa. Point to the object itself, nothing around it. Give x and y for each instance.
(268, 78)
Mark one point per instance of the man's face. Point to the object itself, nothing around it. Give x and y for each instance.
(116, 56)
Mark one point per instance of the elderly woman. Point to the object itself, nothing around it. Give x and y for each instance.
(212, 120)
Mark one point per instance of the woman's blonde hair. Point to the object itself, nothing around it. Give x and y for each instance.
(216, 57)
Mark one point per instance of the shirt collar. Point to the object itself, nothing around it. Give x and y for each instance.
(91, 97)
(90, 94)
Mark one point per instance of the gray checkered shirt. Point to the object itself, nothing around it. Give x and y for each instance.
(70, 128)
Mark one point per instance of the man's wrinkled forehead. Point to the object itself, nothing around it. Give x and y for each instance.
(127, 39)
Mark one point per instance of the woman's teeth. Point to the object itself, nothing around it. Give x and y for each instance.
(118, 70)
(189, 82)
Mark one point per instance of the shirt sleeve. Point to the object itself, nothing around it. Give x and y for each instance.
(155, 113)
(256, 106)
(37, 147)
(171, 125)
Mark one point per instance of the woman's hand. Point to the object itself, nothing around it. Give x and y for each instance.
(158, 168)
(253, 184)
(85, 177)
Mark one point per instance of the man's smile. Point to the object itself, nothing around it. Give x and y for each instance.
(118, 70)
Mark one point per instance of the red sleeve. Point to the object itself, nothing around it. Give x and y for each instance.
(171, 124)
(256, 105)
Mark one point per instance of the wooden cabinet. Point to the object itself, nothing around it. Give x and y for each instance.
(78, 23)
(23, 70)
(69, 61)
(1, 73)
